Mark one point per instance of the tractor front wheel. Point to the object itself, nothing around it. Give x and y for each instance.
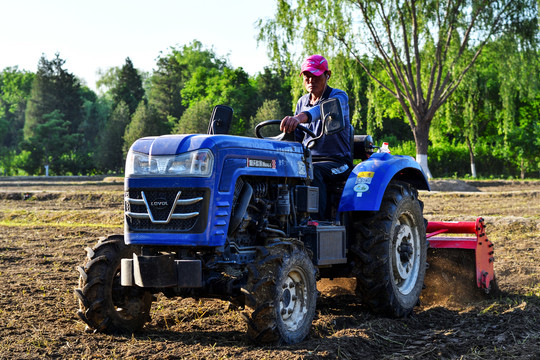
(390, 248)
(105, 305)
(282, 294)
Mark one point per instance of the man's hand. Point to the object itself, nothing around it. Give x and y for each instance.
(289, 123)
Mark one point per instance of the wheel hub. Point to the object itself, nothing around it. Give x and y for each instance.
(293, 301)
(406, 254)
(404, 250)
(286, 297)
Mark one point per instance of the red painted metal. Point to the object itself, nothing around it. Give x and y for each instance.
(452, 243)
(458, 227)
(482, 246)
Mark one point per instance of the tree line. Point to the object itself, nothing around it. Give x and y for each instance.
(49, 118)
(458, 72)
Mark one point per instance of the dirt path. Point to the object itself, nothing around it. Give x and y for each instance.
(42, 240)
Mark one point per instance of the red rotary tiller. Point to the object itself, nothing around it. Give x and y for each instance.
(436, 234)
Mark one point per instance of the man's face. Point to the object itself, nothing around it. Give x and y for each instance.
(314, 84)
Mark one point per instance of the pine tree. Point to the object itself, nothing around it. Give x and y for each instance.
(166, 83)
(53, 89)
(50, 141)
(145, 122)
(109, 156)
(129, 88)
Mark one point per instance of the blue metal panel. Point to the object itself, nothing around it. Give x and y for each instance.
(216, 223)
(143, 145)
(367, 182)
(234, 156)
(177, 144)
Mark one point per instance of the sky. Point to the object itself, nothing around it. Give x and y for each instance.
(99, 34)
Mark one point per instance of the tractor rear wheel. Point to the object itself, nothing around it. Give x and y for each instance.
(105, 305)
(282, 294)
(390, 248)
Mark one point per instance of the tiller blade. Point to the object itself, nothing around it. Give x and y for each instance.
(480, 244)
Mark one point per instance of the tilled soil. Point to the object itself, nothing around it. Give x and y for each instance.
(46, 227)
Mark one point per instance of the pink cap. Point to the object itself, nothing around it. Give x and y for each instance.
(315, 64)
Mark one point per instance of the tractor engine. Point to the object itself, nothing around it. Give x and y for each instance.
(262, 211)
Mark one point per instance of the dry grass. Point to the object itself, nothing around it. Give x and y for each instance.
(42, 240)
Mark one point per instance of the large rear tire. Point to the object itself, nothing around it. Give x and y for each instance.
(282, 294)
(105, 305)
(390, 249)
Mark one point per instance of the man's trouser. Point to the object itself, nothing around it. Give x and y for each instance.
(327, 173)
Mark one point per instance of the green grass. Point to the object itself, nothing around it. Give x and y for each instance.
(55, 224)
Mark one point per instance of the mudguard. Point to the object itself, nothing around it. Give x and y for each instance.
(367, 182)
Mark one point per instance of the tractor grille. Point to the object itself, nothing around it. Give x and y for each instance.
(180, 209)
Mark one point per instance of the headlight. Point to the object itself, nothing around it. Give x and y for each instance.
(197, 163)
(137, 163)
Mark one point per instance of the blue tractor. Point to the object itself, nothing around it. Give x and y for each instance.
(230, 217)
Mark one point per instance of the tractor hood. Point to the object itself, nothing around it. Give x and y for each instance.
(177, 144)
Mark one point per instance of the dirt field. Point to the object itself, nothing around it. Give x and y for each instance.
(45, 227)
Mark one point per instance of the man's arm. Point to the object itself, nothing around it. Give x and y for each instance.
(289, 123)
(315, 112)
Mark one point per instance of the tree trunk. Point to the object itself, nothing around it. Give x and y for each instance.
(471, 154)
(421, 135)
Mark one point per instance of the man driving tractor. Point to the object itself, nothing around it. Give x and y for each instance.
(332, 160)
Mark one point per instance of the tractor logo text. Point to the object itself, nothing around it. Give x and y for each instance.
(261, 163)
(159, 203)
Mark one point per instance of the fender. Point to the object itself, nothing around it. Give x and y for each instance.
(367, 182)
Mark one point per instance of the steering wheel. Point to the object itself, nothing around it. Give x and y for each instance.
(274, 122)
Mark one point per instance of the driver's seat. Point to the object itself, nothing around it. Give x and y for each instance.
(336, 189)
(361, 148)
(220, 121)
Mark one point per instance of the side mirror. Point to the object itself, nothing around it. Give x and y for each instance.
(221, 119)
(332, 116)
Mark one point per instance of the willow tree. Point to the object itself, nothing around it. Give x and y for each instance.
(425, 47)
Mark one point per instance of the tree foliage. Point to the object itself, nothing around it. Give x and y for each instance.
(216, 86)
(269, 110)
(176, 70)
(51, 140)
(145, 122)
(77, 131)
(200, 80)
(275, 85)
(166, 82)
(496, 106)
(425, 48)
(53, 88)
(195, 119)
(53, 117)
(110, 143)
(128, 88)
(15, 86)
